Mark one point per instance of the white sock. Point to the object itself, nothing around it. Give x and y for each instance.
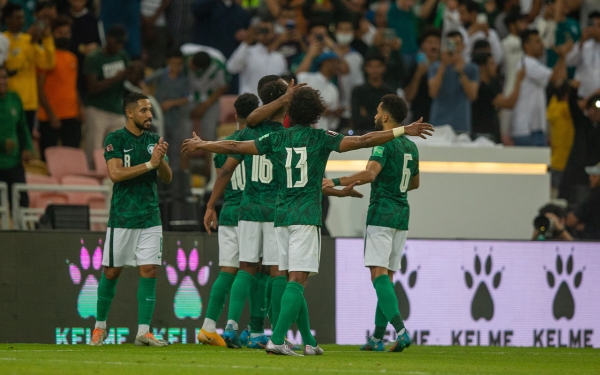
(209, 325)
(143, 329)
(401, 332)
(375, 339)
(233, 324)
(101, 325)
(257, 334)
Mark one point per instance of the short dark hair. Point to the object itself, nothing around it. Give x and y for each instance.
(245, 104)
(44, 4)
(132, 98)
(481, 58)
(316, 23)
(593, 14)
(306, 107)
(513, 16)
(272, 91)
(430, 32)
(348, 18)
(525, 35)
(61, 21)
(557, 210)
(481, 44)
(201, 60)
(471, 5)
(453, 33)
(592, 101)
(374, 55)
(9, 9)
(118, 32)
(395, 106)
(173, 53)
(266, 79)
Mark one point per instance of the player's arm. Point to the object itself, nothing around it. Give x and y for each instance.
(373, 139)
(266, 111)
(164, 172)
(223, 177)
(348, 191)
(118, 173)
(219, 147)
(360, 178)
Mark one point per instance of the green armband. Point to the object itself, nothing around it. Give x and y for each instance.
(336, 181)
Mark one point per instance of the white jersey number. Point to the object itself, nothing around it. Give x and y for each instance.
(127, 161)
(405, 173)
(238, 179)
(262, 169)
(302, 165)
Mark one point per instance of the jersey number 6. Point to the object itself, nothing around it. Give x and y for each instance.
(405, 173)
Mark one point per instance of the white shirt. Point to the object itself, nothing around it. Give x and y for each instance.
(4, 46)
(492, 38)
(529, 113)
(586, 60)
(330, 94)
(253, 63)
(348, 82)
(513, 53)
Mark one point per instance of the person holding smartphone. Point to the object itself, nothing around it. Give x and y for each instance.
(475, 27)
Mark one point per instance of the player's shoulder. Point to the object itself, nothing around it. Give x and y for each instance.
(408, 145)
(233, 136)
(117, 134)
(152, 135)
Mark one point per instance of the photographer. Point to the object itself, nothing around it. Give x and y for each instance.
(550, 224)
(588, 213)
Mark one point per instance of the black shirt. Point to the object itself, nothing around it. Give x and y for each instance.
(84, 31)
(421, 104)
(367, 97)
(589, 213)
(483, 113)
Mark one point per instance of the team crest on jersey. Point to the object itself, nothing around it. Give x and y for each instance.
(109, 148)
(150, 149)
(331, 133)
(377, 151)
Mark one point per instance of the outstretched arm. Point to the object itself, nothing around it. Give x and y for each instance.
(348, 191)
(218, 147)
(360, 178)
(223, 177)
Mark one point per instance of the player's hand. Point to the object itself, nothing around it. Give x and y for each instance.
(9, 146)
(210, 219)
(158, 153)
(191, 144)
(349, 191)
(327, 183)
(419, 129)
(291, 89)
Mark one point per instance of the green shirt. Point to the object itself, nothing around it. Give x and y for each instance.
(260, 192)
(134, 202)
(299, 155)
(399, 159)
(13, 126)
(104, 67)
(230, 211)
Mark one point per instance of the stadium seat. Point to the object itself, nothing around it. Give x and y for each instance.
(94, 200)
(64, 161)
(227, 110)
(100, 163)
(41, 199)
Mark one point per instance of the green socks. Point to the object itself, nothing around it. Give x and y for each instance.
(380, 323)
(291, 303)
(216, 301)
(387, 301)
(303, 324)
(277, 288)
(269, 285)
(146, 296)
(258, 303)
(239, 292)
(106, 293)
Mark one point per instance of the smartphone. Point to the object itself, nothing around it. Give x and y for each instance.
(451, 45)
(482, 18)
(421, 58)
(290, 25)
(319, 37)
(389, 34)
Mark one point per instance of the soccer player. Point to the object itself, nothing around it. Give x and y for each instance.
(302, 151)
(392, 170)
(135, 157)
(229, 257)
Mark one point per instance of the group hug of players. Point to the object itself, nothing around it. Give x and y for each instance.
(269, 227)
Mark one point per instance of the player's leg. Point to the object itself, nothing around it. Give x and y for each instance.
(229, 261)
(403, 340)
(148, 256)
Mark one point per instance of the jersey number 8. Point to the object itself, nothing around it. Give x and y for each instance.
(405, 173)
(127, 161)
(301, 165)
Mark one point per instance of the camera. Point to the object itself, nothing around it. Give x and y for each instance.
(544, 227)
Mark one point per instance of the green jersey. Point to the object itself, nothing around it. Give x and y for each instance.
(104, 67)
(302, 152)
(260, 192)
(134, 202)
(230, 211)
(399, 159)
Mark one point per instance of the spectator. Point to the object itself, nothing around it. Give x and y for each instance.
(325, 11)
(500, 24)
(388, 44)
(220, 24)
(61, 109)
(318, 42)
(28, 7)
(416, 91)
(128, 14)
(172, 92)
(154, 32)
(358, 32)
(256, 57)
(402, 19)
(366, 98)
(481, 46)
(587, 7)
(180, 22)
(15, 140)
(567, 30)
(450, 20)
(4, 46)
(529, 126)
(516, 23)
(45, 10)
(453, 85)
(588, 212)
(585, 57)
(105, 70)
(475, 27)
(289, 39)
(550, 224)
(25, 55)
(208, 81)
(490, 98)
(85, 38)
(561, 131)
(328, 65)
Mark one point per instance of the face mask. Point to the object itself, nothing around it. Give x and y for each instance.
(62, 43)
(278, 29)
(344, 39)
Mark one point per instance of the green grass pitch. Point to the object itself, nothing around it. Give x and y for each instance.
(189, 359)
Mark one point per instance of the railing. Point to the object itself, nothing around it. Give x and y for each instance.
(4, 213)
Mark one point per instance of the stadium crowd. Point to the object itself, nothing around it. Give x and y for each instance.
(518, 72)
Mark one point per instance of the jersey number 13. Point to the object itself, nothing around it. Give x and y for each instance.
(302, 165)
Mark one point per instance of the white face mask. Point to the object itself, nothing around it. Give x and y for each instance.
(344, 39)
(278, 29)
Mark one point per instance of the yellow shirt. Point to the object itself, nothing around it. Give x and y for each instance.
(23, 58)
(561, 132)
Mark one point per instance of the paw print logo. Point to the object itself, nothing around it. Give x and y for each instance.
(83, 274)
(187, 276)
(482, 305)
(564, 304)
(404, 278)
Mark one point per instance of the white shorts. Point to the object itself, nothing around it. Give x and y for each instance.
(229, 251)
(299, 248)
(257, 239)
(384, 247)
(132, 247)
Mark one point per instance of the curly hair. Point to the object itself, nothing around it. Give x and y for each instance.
(395, 106)
(272, 91)
(306, 107)
(245, 104)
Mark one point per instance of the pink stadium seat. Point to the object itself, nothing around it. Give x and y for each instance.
(94, 200)
(63, 161)
(227, 113)
(100, 163)
(41, 199)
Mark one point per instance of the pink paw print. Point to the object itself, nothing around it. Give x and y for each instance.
(83, 273)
